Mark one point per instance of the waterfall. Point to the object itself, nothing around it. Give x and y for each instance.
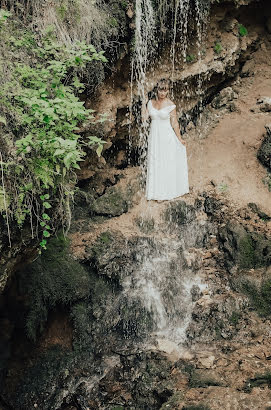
(173, 24)
(163, 283)
(161, 280)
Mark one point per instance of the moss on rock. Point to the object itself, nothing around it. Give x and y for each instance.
(245, 249)
(180, 213)
(53, 279)
(112, 203)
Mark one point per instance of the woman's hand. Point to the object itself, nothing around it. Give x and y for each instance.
(182, 141)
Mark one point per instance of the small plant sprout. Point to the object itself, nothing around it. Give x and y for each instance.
(242, 30)
(218, 48)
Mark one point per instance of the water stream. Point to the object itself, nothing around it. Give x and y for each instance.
(161, 282)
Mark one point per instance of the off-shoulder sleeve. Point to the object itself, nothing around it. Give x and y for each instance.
(171, 107)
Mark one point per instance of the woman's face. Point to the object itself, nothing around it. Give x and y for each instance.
(162, 93)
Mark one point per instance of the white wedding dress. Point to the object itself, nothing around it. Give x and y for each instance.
(167, 173)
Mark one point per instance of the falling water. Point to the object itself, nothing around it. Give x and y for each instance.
(144, 49)
(161, 281)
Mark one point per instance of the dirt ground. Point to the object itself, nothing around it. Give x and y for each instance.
(228, 155)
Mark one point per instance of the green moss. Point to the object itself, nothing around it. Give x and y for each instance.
(53, 279)
(101, 244)
(113, 22)
(197, 381)
(40, 381)
(234, 318)
(112, 203)
(247, 257)
(190, 58)
(260, 297)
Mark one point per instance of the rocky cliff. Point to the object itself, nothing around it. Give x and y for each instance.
(158, 305)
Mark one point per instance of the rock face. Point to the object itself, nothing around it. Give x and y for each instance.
(264, 153)
(190, 285)
(165, 306)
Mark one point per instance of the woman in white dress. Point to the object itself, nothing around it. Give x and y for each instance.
(167, 174)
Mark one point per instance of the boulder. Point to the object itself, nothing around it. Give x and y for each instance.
(264, 152)
(265, 104)
(224, 98)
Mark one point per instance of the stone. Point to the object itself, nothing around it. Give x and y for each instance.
(264, 152)
(206, 362)
(169, 347)
(254, 207)
(112, 203)
(224, 98)
(265, 104)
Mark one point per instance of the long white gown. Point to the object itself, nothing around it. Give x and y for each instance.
(167, 173)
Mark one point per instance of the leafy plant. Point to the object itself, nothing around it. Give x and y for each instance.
(190, 58)
(242, 30)
(218, 48)
(42, 98)
(223, 187)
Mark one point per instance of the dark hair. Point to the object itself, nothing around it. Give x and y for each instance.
(163, 84)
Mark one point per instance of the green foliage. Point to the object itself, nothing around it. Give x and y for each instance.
(41, 98)
(242, 30)
(247, 256)
(223, 187)
(218, 48)
(54, 278)
(190, 58)
(4, 14)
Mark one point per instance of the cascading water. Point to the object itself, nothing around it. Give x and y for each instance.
(161, 281)
(144, 49)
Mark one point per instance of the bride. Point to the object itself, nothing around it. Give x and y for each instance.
(167, 174)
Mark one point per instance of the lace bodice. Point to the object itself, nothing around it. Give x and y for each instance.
(162, 114)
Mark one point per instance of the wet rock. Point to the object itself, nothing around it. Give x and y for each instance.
(264, 152)
(224, 98)
(113, 256)
(112, 203)
(212, 205)
(244, 249)
(206, 362)
(255, 208)
(180, 213)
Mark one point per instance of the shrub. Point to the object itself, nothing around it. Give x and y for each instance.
(39, 98)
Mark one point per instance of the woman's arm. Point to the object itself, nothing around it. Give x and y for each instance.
(175, 125)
